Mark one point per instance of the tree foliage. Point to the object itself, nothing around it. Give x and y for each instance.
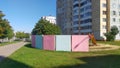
(44, 27)
(5, 28)
(111, 35)
(21, 35)
(114, 30)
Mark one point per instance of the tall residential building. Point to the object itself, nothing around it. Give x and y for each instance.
(64, 15)
(89, 16)
(114, 15)
(51, 19)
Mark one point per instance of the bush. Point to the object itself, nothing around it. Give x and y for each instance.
(114, 30)
(111, 35)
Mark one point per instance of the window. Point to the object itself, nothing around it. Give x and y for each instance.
(104, 19)
(86, 21)
(75, 0)
(119, 6)
(76, 28)
(88, 7)
(104, 12)
(114, 13)
(76, 17)
(113, 5)
(104, 5)
(119, 27)
(114, 20)
(82, 10)
(119, 20)
(103, 27)
(119, 33)
(86, 27)
(76, 5)
(76, 11)
(76, 22)
(88, 14)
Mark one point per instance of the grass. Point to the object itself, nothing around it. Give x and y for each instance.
(6, 43)
(28, 57)
(109, 42)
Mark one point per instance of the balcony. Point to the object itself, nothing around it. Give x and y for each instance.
(75, 31)
(86, 24)
(76, 2)
(86, 30)
(76, 25)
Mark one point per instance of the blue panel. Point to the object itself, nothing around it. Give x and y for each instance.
(39, 42)
(63, 42)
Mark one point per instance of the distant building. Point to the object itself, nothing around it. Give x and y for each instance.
(51, 19)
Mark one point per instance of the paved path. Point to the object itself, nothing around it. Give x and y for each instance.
(103, 47)
(7, 50)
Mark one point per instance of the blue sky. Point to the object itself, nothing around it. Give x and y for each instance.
(24, 14)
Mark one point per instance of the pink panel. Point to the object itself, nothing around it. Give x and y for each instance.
(33, 40)
(80, 43)
(49, 42)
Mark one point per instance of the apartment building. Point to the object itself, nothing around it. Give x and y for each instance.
(114, 15)
(64, 16)
(51, 19)
(90, 16)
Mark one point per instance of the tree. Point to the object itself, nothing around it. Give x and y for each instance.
(44, 27)
(10, 33)
(27, 35)
(5, 28)
(111, 35)
(22, 35)
(1, 15)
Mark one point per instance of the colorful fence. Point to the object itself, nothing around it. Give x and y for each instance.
(33, 40)
(74, 43)
(80, 43)
(39, 42)
(49, 42)
(63, 43)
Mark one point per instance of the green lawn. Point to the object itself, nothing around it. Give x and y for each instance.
(6, 43)
(28, 57)
(108, 42)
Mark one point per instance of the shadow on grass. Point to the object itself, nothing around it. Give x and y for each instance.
(1, 58)
(28, 45)
(9, 63)
(108, 61)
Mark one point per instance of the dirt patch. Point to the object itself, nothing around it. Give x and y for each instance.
(102, 47)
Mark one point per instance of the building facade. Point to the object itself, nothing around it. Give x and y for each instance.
(64, 15)
(51, 19)
(91, 16)
(115, 15)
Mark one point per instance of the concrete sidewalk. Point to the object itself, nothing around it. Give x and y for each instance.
(7, 50)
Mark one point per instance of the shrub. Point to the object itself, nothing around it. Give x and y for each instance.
(111, 35)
